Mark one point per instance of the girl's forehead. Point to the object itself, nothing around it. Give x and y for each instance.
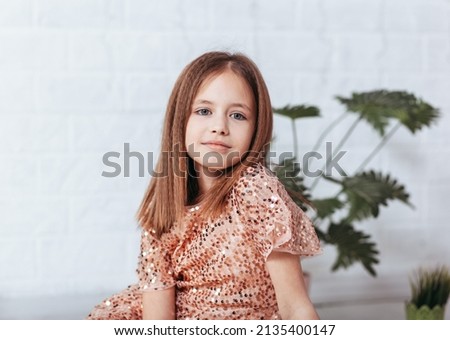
(224, 79)
(226, 88)
(225, 72)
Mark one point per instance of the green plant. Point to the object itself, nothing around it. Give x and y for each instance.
(430, 287)
(358, 196)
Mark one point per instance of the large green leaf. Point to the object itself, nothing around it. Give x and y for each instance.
(326, 207)
(378, 107)
(368, 190)
(297, 111)
(352, 246)
(419, 116)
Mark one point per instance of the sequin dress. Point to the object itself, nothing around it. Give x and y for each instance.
(218, 266)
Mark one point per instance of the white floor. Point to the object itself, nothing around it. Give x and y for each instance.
(77, 308)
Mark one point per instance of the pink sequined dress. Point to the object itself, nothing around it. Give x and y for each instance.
(218, 266)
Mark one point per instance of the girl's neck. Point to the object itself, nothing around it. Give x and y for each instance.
(206, 179)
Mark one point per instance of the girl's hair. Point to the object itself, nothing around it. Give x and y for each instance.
(174, 184)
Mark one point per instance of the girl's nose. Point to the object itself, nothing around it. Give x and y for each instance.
(219, 125)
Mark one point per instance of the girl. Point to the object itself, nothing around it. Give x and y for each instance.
(221, 237)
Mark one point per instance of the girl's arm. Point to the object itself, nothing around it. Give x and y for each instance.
(287, 278)
(159, 304)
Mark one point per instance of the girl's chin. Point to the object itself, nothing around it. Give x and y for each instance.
(214, 168)
(216, 161)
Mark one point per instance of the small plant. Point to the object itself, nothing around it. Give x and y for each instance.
(430, 288)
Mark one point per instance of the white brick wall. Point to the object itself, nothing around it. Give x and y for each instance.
(80, 78)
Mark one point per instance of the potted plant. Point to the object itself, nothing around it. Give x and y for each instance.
(430, 291)
(360, 195)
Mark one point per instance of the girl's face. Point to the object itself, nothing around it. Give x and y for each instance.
(221, 123)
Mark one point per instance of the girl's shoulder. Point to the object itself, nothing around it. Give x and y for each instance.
(259, 185)
(257, 172)
(257, 177)
(271, 215)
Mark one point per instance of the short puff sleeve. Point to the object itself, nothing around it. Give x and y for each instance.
(155, 261)
(277, 223)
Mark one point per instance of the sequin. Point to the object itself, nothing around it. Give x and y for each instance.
(224, 256)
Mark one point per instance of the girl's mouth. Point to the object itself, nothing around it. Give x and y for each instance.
(217, 146)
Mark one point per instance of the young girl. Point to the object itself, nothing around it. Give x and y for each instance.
(221, 237)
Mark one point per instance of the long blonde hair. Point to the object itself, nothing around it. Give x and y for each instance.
(173, 186)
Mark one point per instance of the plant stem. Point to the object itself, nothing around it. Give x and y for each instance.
(294, 136)
(343, 140)
(328, 130)
(383, 141)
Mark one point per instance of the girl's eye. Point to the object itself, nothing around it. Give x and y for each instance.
(203, 112)
(238, 116)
